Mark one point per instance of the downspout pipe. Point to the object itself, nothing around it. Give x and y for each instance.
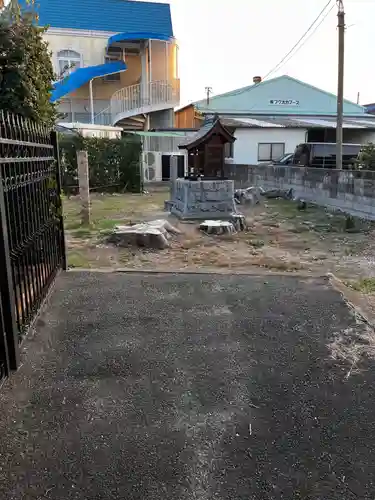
(92, 112)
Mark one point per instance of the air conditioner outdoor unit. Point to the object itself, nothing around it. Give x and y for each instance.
(151, 165)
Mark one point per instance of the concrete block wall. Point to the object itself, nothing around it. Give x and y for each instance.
(203, 200)
(346, 190)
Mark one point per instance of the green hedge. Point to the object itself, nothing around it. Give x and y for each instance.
(114, 164)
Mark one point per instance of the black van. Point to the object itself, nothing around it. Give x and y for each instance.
(323, 155)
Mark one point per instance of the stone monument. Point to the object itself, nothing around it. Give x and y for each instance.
(205, 193)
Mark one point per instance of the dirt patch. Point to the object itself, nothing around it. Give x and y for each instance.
(279, 237)
(353, 347)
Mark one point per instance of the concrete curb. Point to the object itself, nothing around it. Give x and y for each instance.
(357, 301)
(224, 272)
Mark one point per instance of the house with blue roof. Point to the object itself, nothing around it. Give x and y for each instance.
(116, 62)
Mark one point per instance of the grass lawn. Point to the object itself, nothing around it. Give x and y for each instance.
(108, 211)
(279, 238)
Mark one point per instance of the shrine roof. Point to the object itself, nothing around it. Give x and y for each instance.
(211, 126)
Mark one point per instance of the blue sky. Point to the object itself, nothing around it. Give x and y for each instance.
(224, 43)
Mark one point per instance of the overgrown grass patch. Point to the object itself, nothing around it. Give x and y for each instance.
(256, 243)
(365, 285)
(77, 259)
(315, 218)
(82, 233)
(108, 210)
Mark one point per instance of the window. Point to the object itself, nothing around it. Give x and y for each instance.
(229, 146)
(270, 151)
(229, 150)
(68, 60)
(113, 54)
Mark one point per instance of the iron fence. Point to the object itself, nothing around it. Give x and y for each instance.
(32, 237)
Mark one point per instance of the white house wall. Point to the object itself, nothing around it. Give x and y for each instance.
(91, 48)
(159, 66)
(247, 140)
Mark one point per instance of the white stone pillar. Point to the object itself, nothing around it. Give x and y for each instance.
(84, 186)
(173, 175)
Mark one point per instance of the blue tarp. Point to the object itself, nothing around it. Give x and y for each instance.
(81, 76)
(141, 35)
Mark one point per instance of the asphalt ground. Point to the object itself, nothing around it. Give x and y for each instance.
(184, 387)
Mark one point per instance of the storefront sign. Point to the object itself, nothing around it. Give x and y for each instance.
(284, 102)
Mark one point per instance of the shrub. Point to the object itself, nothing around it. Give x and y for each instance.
(366, 157)
(114, 164)
(26, 72)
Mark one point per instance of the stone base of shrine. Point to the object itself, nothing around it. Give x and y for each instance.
(202, 199)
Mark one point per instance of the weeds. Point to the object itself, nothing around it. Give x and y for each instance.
(365, 285)
(78, 259)
(256, 243)
(352, 347)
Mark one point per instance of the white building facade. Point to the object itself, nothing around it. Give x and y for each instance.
(116, 62)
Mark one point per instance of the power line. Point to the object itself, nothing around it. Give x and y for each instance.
(307, 39)
(275, 68)
(340, 5)
(290, 54)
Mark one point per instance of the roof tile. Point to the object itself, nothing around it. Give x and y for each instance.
(117, 16)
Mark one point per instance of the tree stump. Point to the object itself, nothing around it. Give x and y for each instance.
(239, 222)
(217, 227)
(153, 234)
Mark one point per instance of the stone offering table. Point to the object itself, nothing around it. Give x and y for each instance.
(203, 199)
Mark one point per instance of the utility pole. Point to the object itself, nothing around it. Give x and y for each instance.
(340, 82)
(208, 93)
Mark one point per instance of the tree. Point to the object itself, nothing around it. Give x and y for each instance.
(366, 157)
(26, 72)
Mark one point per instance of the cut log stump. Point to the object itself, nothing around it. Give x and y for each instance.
(239, 222)
(217, 227)
(153, 234)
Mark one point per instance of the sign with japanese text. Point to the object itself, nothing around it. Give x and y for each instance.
(284, 102)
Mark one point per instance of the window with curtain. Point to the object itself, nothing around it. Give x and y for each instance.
(270, 151)
(69, 60)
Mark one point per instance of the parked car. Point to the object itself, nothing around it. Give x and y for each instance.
(285, 159)
(323, 155)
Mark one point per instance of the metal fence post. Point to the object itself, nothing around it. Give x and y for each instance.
(4, 357)
(55, 143)
(8, 303)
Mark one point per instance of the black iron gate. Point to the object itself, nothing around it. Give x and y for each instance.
(31, 228)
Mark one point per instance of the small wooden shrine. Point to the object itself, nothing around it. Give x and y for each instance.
(206, 150)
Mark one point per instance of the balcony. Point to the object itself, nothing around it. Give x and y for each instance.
(75, 110)
(143, 99)
(126, 104)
